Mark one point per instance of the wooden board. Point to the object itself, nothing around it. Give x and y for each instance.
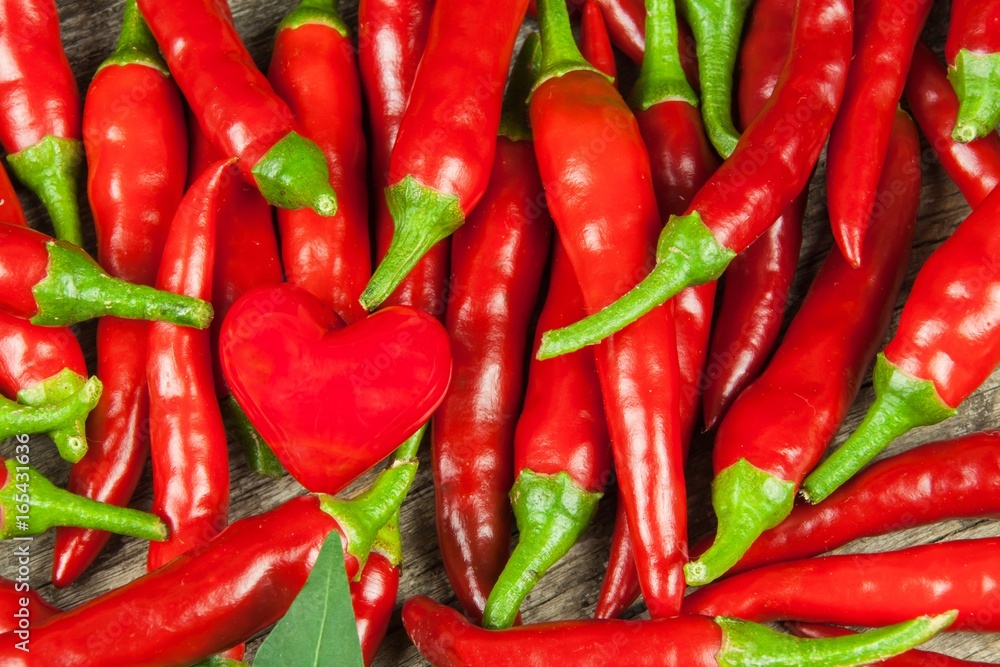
(570, 590)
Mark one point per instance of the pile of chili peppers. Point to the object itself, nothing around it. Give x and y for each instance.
(459, 222)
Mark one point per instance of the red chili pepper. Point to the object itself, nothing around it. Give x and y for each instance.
(21, 607)
(973, 166)
(779, 427)
(595, 44)
(219, 594)
(497, 262)
(605, 210)
(446, 639)
(236, 106)
(947, 344)
(314, 70)
(744, 197)
(872, 589)
(757, 281)
(973, 55)
(391, 38)
(10, 205)
(912, 658)
(54, 283)
(885, 35)
(137, 163)
(562, 455)
(440, 165)
(187, 437)
(40, 117)
(373, 595)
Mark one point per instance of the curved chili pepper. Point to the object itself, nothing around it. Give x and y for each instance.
(605, 210)
(757, 281)
(595, 44)
(187, 438)
(973, 54)
(620, 587)
(885, 35)
(54, 283)
(760, 179)
(497, 262)
(21, 607)
(236, 106)
(872, 589)
(391, 38)
(30, 505)
(40, 117)
(912, 658)
(313, 69)
(947, 344)
(779, 427)
(440, 165)
(446, 639)
(213, 597)
(973, 166)
(137, 165)
(562, 455)
(10, 206)
(373, 595)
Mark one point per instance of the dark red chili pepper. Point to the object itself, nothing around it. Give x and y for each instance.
(221, 593)
(757, 281)
(21, 607)
(10, 205)
(440, 165)
(913, 658)
(885, 34)
(779, 427)
(313, 69)
(236, 106)
(973, 55)
(137, 164)
(620, 587)
(54, 283)
(40, 117)
(391, 37)
(187, 438)
(745, 196)
(562, 455)
(947, 344)
(973, 166)
(446, 639)
(497, 262)
(606, 213)
(373, 596)
(595, 44)
(872, 589)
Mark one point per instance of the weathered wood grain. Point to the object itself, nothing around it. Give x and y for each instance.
(570, 590)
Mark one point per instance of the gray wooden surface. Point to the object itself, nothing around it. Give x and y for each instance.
(570, 590)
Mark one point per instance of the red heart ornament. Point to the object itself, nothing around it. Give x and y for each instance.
(331, 401)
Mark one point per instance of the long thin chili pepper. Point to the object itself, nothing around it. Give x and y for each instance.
(605, 209)
(779, 427)
(236, 106)
(373, 595)
(187, 438)
(137, 165)
(446, 639)
(213, 597)
(595, 44)
(744, 197)
(500, 252)
(440, 165)
(872, 589)
(391, 38)
(973, 166)
(54, 283)
(10, 206)
(620, 587)
(912, 658)
(973, 54)
(313, 69)
(40, 110)
(755, 291)
(21, 607)
(947, 344)
(562, 455)
(884, 37)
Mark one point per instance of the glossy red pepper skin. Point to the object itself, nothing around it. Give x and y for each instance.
(973, 54)
(595, 44)
(620, 587)
(973, 166)
(30, 354)
(20, 604)
(23, 264)
(755, 291)
(873, 589)
(391, 38)
(187, 438)
(147, 147)
(497, 263)
(913, 658)
(313, 68)
(374, 599)
(10, 206)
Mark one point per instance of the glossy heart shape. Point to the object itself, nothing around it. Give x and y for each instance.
(331, 401)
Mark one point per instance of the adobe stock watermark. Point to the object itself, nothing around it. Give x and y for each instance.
(22, 543)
